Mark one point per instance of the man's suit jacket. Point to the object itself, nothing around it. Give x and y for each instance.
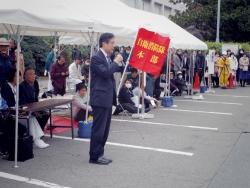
(102, 84)
(25, 93)
(8, 95)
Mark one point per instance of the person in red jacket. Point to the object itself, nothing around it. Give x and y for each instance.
(59, 72)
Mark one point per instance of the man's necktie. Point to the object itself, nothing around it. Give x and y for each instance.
(109, 60)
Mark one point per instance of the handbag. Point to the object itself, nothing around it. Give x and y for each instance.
(245, 68)
(25, 148)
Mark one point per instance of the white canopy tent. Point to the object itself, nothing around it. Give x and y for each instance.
(125, 27)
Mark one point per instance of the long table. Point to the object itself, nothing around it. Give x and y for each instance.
(49, 104)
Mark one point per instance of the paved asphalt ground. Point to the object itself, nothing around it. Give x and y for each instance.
(206, 145)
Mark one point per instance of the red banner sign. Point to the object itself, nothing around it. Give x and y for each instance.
(149, 51)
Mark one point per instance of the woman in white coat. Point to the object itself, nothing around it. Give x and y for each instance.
(233, 65)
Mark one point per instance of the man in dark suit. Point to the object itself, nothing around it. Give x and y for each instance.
(103, 96)
(185, 68)
(28, 93)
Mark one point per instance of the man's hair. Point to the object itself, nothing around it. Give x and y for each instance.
(53, 46)
(11, 74)
(133, 70)
(163, 71)
(27, 69)
(61, 56)
(105, 37)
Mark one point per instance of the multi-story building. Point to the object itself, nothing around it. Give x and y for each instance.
(161, 7)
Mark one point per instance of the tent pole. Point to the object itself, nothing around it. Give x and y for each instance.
(88, 92)
(192, 69)
(17, 94)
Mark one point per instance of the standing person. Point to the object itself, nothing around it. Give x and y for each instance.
(233, 64)
(50, 59)
(85, 69)
(59, 72)
(178, 61)
(228, 53)
(200, 65)
(215, 76)
(224, 66)
(5, 61)
(185, 68)
(243, 72)
(240, 54)
(12, 49)
(196, 62)
(21, 63)
(103, 96)
(77, 54)
(75, 74)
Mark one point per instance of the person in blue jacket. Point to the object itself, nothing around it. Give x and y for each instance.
(5, 61)
(50, 59)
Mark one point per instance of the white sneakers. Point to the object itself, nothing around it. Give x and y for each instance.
(40, 144)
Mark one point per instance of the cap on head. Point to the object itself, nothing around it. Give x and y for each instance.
(4, 42)
(179, 72)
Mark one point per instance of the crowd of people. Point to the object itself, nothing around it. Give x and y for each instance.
(177, 83)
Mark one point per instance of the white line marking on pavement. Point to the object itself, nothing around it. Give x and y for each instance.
(30, 181)
(204, 112)
(152, 123)
(209, 102)
(129, 146)
(228, 96)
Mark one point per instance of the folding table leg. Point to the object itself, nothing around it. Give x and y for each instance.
(72, 123)
(50, 121)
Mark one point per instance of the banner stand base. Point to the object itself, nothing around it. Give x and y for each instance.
(143, 116)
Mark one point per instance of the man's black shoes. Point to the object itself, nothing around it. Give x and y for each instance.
(101, 161)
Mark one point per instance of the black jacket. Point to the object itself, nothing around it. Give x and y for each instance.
(125, 95)
(26, 95)
(76, 54)
(8, 95)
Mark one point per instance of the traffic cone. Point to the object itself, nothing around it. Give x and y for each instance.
(231, 85)
(196, 84)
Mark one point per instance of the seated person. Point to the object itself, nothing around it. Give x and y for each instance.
(85, 69)
(125, 101)
(80, 103)
(28, 93)
(160, 83)
(134, 78)
(7, 123)
(147, 99)
(75, 75)
(9, 92)
(182, 84)
(173, 88)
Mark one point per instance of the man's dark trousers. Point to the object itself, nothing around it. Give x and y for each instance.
(100, 131)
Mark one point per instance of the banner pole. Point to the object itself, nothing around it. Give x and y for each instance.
(169, 69)
(127, 63)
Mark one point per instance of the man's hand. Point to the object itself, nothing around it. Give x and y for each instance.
(37, 114)
(67, 73)
(63, 74)
(118, 58)
(45, 112)
(180, 68)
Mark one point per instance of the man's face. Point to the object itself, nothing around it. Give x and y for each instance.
(163, 76)
(194, 53)
(55, 49)
(128, 51)
(14, 79)
(173, 51)
(82, 92)
(134, 74)
(3, 49)
(30, 76)
(171, 76)
(77, 61)
(179, 52)
(12, 43)
(185, 54)
(109, 47)
(61, 61)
